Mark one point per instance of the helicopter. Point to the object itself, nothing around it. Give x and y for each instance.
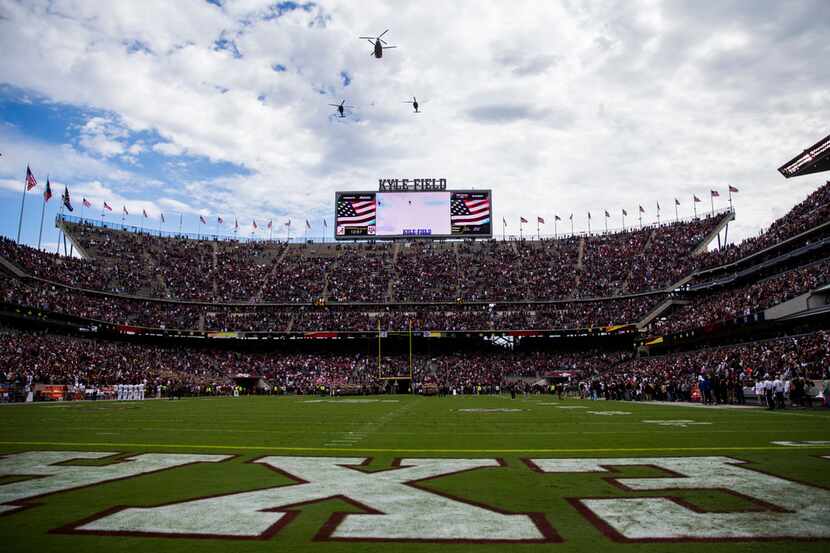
(414, 103)
(341, 107)
(378, 43)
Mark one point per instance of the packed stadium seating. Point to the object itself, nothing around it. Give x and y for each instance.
(34, 358)
(812, 212)
(710, 307)
(115, 309)
(672, 377)
(139, 263)
(132, 280)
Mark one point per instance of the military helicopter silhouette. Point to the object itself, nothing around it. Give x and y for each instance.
(341, 107)
(378, 43)
(414, 103)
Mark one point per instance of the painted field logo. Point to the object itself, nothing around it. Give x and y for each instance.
(51, 477)
(782, 508)
(395, 508)
(396, 505)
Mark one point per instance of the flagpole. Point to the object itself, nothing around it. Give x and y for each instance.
(181, 216)
(658, 215)
(58, 250)
(730, 200)
(503, 229)
(42, 214)
(520, 229)
(712, 202)
(676, 214)
(22, 203)
(538, 236)
(572, 224)
(694, 205)
(623, 221)
(555, 234)
(589, 224)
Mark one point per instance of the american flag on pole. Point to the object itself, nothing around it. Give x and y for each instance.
(202, 220)
(220, 221)
(307, 224)
(469, 212)
(625, 212)
(696, 199)
(65, 198)
(30, 179)
(125, 210)
(355, 212)
(522, 220)
(254, 223)
(557, 218)
(642, 210)
(715, 193)
(270, 224)
(107, 206)
(732, 188)
(162, 217)
(540, 220)
(48, 192)
(144, 212)
(87, 203)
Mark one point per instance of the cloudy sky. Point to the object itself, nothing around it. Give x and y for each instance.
(220, 107)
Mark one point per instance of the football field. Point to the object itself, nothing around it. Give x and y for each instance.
(382, 473)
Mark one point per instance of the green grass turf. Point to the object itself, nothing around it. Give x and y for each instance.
(392, 427)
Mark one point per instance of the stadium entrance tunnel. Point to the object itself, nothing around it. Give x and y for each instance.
(398, 384)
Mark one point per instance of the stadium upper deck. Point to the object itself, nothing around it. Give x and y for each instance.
(573, 282)
(140, 264)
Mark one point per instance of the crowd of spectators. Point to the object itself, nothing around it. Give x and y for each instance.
(706, 307)
(813, 211)
(226, 271)
(720, 374)
(115, 309)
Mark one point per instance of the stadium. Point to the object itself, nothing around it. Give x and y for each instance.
(417, 378)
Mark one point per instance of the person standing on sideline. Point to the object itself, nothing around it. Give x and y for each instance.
(779, 391)
(769, 392)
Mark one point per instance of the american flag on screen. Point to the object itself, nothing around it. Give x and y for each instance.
(356, 212)
(470, 212)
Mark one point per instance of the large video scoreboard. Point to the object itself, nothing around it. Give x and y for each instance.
(388, 215)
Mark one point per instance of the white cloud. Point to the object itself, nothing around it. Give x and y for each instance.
(563, 108)
(168, 149)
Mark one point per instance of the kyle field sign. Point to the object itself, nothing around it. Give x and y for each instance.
(395, 504)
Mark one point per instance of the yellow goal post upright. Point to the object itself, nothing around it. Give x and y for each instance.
(411, 362)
